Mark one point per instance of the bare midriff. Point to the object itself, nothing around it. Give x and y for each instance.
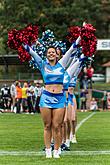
(54, 88)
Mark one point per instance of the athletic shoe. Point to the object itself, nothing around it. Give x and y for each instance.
(44, 148)
(74, 139)
(68, 142)
(71, 136)
(48, 153)
(56, 154)
(59, 150)
(64, 147)
(52, 146)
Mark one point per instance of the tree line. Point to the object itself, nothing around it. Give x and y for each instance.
(56, 15)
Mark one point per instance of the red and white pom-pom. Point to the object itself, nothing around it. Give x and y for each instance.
(23, 54)
(73, 33)
(88, 40)
(88, 27)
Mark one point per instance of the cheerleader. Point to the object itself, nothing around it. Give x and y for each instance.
(52, 100)
(69, 83)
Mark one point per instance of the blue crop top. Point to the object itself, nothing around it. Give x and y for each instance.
(66, 81)
(73, 82)
(52, 74)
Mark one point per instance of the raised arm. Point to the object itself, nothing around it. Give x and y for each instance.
(74, 69)
(72, 50)
(71, 60)
(37, 58)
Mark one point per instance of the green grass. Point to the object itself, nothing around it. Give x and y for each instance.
(22, 132)
(71, 160)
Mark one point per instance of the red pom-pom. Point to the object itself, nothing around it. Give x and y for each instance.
(30, 34)
(88, 40)
(73, 33)
(27, 35)
(88, 27)
(13, 39)
(23, 54)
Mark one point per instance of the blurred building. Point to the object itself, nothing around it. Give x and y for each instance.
(107, 68)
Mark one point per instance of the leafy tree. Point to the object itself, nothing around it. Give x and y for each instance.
(56, 15)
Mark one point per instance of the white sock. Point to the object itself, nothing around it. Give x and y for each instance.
(68, 142)
(56, 154)
(48, 152)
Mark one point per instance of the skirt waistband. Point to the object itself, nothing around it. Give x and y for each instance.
(52, 94)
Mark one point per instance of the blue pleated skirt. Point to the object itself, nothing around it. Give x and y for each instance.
(52, 100)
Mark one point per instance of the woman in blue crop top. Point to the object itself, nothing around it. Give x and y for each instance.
(52, 100)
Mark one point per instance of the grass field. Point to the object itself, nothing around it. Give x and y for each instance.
(21, 140)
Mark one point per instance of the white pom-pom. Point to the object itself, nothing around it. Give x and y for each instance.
(84, 23)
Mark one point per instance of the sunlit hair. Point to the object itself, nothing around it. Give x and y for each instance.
(59, 50)
(60, 54)
(50, 48)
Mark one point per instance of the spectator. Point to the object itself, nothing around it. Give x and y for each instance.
(93, 104)
(89, 72)
(30, 97)
(18, 97)
(83, 100)
(37, 92)
(83, 80)
(104, 101)
(6, 97)
(24, 97)
(13, 94)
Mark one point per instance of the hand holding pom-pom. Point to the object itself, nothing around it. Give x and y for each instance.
(23, 54)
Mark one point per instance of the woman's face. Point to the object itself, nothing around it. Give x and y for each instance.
(59, 52)
(51, 54)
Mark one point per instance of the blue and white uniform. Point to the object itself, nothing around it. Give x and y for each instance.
(73, 70)
(71, 75)
(72, 96)
(73, 82)
(52, 75)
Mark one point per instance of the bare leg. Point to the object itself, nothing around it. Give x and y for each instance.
(46, 114)
(73, 121)
(58, 117)
(68, 126)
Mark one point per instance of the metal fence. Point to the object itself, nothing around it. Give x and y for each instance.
(21, 76)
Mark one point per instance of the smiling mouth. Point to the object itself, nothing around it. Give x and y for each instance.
(51, 56)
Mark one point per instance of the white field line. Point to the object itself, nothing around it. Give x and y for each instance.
(84, 120)
(40, 153)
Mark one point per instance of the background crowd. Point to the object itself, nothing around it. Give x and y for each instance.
(24, 97)
(21, 97)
